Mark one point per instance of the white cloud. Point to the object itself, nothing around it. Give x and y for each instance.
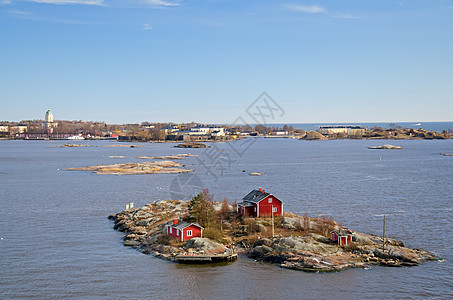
(161, 3)
(20, 12)
(26, 15)
(345, 16)
(5, 2)
(84, 2)
(316, 9)
(310, 9)
(147, 27)
(156, 3)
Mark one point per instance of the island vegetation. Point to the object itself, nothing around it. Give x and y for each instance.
(291, 241)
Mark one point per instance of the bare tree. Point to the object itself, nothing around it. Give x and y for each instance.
(225, 209)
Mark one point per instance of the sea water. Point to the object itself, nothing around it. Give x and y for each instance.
(56, 240)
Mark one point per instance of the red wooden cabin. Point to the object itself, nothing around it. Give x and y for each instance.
(258, 203)
(184, 231)
(343, 237)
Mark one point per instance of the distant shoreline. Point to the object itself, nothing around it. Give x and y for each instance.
(430, 126)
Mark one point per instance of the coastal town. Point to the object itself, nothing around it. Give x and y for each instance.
(257, 226)
(51, 129)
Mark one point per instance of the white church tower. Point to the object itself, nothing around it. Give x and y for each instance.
(49, 122)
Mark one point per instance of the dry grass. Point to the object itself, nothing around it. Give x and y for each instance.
(213, 233)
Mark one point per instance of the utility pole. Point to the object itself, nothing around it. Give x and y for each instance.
(383, 235)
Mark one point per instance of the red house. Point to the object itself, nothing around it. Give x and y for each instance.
(258, 203)
(343, 237)
(183, 230)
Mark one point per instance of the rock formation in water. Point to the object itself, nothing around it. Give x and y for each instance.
(191, 145)
(155, 167)
(314, 136)
(386, 147)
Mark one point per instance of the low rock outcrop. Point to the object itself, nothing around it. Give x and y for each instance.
(315, 253)
(386, 147)
(70, 145)
(205, 246)
(191, 145)
(155, 167)
(314, 136)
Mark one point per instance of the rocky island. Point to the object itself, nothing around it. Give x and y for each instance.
(191, 145)
(176, 156)
(70, 145)
(300, 242)
(155, 167)
(386, 147)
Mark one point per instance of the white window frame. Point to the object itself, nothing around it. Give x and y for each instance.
(254, 209)
(274, 209)
(177, 232)
(270, 200)
(170, 230)
(189, 232)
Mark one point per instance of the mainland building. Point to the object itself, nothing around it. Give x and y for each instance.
(49, 124)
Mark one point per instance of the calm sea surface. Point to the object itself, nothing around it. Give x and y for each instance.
(56, 241)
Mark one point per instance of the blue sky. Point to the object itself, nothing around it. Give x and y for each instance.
(181, 60)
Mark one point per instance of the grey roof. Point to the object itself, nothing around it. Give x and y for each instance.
(183, 224)
(255, 196)
(343, 232)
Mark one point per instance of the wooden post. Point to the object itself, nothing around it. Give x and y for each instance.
(273, 221)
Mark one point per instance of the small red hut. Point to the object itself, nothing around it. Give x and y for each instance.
(183, 230)
(258, 203)
(343, 237)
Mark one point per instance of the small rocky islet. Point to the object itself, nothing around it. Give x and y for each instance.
(154, 167)
(385, 147)
(191, 145)
(300, 242)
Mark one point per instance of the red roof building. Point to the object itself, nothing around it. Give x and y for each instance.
(258, 203)
(343, 237)
(184, 231)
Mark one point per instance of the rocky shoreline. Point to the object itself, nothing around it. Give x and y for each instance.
(380, 134)
(144, 229)
(299, 245)
(316, 253)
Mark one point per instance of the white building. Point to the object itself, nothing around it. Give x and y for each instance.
(49, 116)
(212, 130)
(49, 123)
(340, 129)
